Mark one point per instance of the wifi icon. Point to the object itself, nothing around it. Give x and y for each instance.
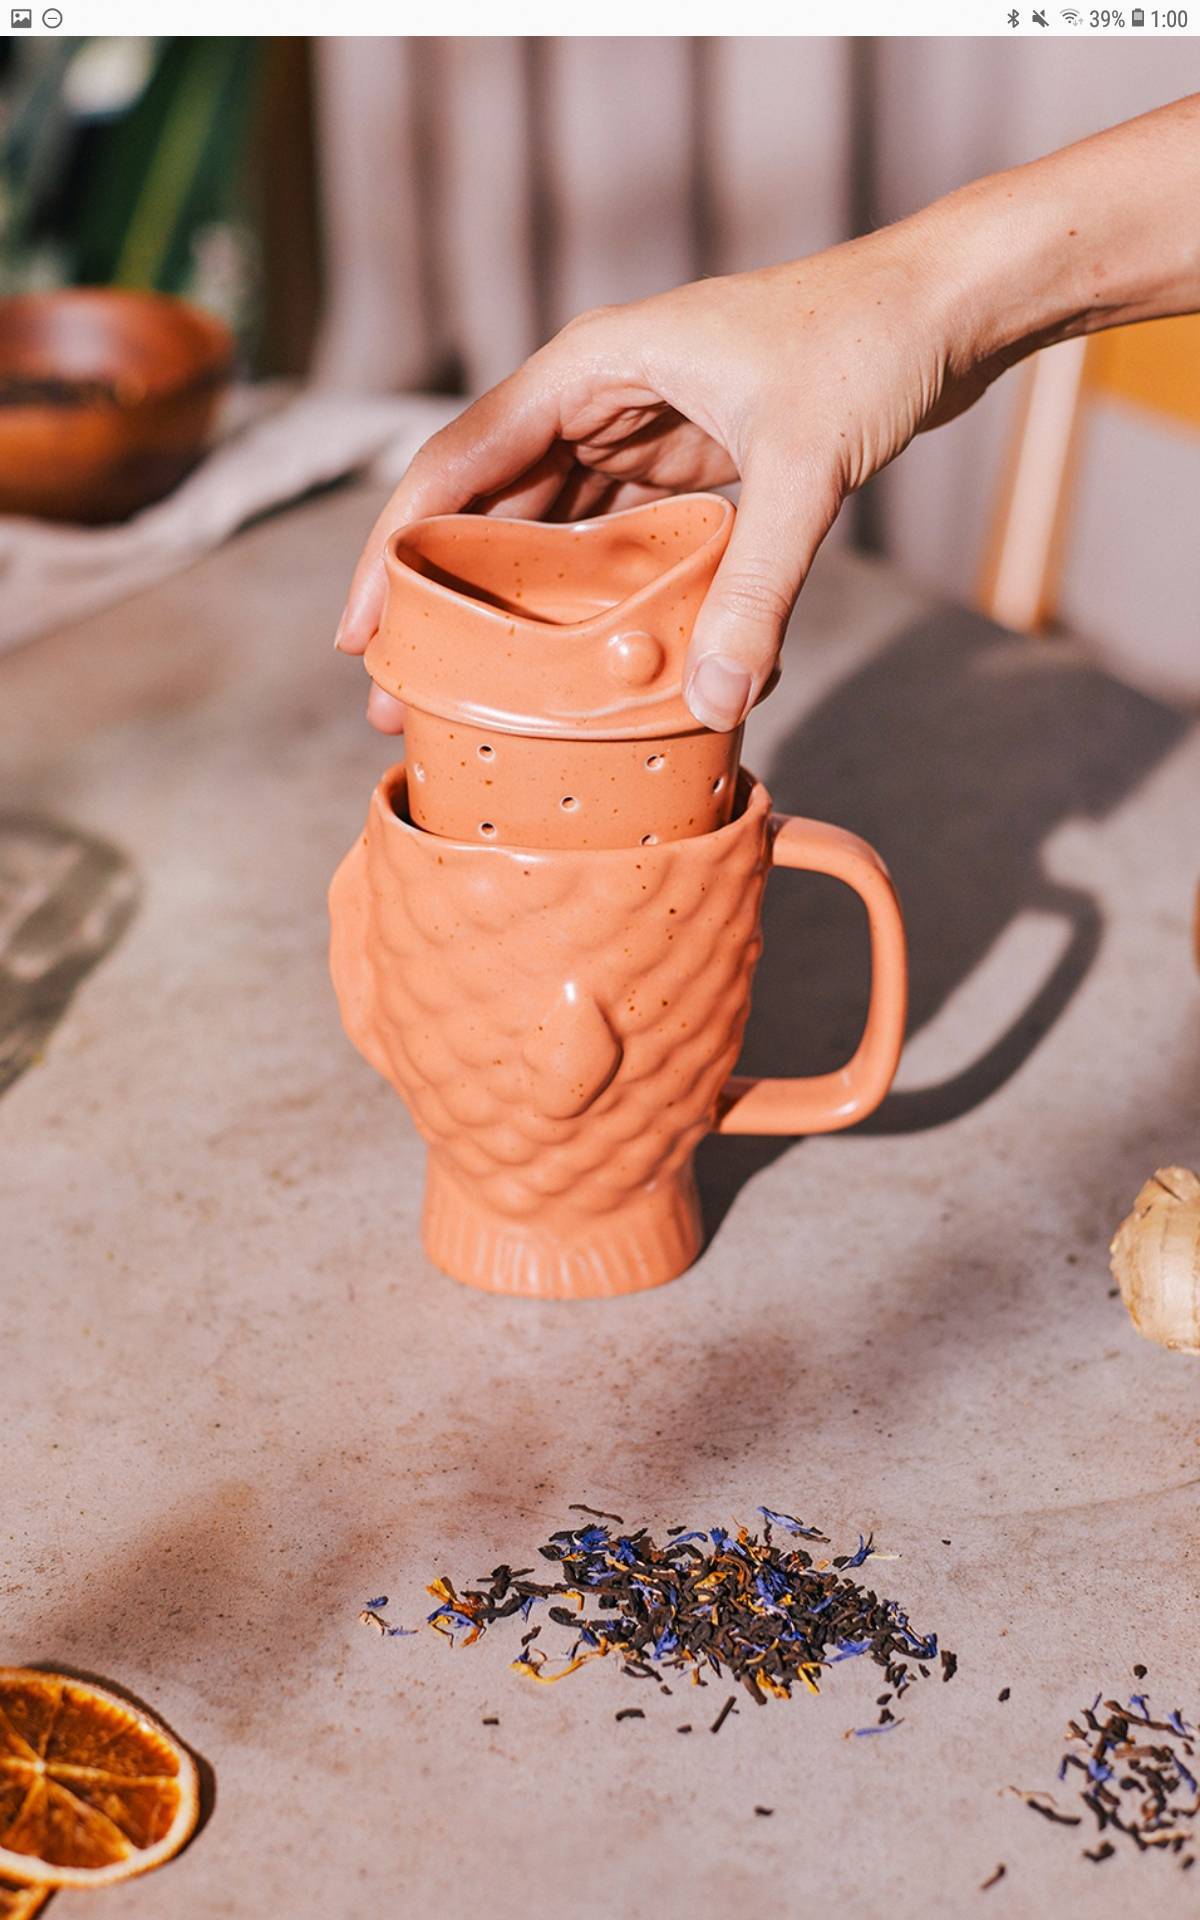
(1071, 16)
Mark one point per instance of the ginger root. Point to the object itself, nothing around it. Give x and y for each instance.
(1156, 1260)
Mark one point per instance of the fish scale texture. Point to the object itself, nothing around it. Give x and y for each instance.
(560, 1024)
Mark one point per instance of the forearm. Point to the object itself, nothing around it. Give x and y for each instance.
(805, 379)
(1101, 233)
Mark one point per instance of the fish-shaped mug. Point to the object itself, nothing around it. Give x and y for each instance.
(546, 936)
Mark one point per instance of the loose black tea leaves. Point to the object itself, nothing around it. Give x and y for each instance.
(729, 1707)
(1044, 1804)
(742, 1607)
(1136, 1776)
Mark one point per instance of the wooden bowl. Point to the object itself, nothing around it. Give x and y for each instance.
(107, 398)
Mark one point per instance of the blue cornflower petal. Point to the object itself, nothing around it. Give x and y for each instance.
(919, 1649)
(849, 1650)
(865, 1550)
(1139, 1700)
(790, 1524)
(395, 1632)
(454, 1616)
(889, 1726)
(771, 1583)
(1177, 1724)
(922, 1649)
(374, 1604)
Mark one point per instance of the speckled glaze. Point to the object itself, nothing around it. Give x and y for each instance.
(562, 1023)
(578, 634)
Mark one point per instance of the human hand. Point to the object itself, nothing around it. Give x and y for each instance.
(802, 381)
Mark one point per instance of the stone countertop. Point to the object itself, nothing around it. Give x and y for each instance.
(238, 1402)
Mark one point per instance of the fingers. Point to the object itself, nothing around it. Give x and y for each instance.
(533, 494)
(368, 584)
(384, 711)
(580, 495)
(489, 446)
(584, 495)
(740, 627)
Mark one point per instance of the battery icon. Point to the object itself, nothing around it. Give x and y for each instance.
(1137, 18)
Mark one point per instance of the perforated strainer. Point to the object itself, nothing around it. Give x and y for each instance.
(541, 665)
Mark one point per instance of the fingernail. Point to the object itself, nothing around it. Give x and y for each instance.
(337, 638)
(718, 692)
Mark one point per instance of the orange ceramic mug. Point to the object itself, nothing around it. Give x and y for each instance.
(562, 1023)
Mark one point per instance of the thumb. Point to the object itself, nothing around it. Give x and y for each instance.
(740, 627)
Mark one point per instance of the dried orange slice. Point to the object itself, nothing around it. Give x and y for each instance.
(21, 1903)
(92, 1790)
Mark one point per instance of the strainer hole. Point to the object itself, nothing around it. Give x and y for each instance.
(569, 803)
(486, 753)
(487, 829)
(418, 771)
(649, 839)
(655, 762)
(719, 784)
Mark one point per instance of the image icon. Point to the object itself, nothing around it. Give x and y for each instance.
(22, 17)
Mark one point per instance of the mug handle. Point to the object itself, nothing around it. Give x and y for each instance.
(824, 1102)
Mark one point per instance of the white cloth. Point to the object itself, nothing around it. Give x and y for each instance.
(50, 574)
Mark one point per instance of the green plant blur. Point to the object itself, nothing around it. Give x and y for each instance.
(122, 162)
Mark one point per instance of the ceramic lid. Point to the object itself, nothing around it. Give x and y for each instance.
(576, 630)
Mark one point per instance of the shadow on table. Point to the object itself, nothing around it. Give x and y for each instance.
(958, 752)
(66, 897)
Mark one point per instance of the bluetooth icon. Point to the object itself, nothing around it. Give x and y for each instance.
(1014, 18)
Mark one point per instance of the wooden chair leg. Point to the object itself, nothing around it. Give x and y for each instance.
(1018, 585)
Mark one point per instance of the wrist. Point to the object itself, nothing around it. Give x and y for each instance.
(1003, 261)
(1097, 235)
